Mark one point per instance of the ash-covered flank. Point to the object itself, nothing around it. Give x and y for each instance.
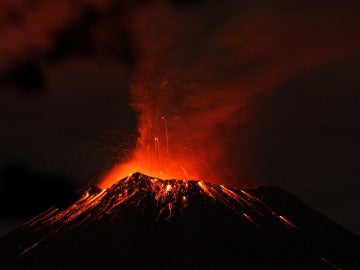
(143, 222)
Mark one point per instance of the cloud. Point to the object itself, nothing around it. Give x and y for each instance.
(35, 33)
(198, 65)
(205, 65)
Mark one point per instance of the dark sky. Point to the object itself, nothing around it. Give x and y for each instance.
(286, 73)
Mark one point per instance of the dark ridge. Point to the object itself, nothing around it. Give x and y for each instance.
(143, 222)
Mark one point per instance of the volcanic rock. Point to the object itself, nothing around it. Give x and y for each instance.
(143, 222)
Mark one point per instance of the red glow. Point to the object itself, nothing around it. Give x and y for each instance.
(166, 148)
(156, 162)
(194, 89)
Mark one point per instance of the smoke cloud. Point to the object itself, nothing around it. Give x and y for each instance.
(196, 67)
(200, 69)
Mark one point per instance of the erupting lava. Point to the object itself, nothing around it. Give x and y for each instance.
(163, 150)
(172, 143)
(151, 162)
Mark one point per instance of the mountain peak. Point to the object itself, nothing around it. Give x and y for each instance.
(162, 199)
(181, 224)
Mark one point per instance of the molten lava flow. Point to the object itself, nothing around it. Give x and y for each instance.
(169, 196)
(156, 201)
(164, 198)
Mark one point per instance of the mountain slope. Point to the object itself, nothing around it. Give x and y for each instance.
(145, 222)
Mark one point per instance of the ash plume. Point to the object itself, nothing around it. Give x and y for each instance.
(200, 69)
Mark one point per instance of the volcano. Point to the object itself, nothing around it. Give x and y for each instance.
(144, 222)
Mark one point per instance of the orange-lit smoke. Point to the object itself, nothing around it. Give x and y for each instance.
(201, 68)
(39, 23)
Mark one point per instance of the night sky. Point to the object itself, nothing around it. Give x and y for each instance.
(281, 77)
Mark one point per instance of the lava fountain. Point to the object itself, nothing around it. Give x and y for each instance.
(165, 147)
